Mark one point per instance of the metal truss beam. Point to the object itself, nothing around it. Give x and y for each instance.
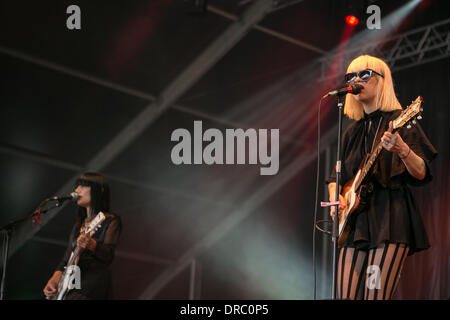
(281, 4)
(277, 4)
(268, 31)
(107, 84)
(44, 159)
(116, 87)
(407, 50)
(215, 51)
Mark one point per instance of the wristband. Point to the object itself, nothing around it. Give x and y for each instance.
(406, 155)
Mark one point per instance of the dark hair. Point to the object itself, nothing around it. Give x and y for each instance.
(99, 192)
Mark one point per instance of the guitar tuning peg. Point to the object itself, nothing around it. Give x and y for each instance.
(421, 109)
(409, 126)
(419, 117)
(414, 121)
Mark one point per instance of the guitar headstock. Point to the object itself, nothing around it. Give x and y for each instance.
(409, 113)
(95, 223)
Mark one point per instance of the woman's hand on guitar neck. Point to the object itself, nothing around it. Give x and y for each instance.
(85, 241)
(393, 142)
(332, 194)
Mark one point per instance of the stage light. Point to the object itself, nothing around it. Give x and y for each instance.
(351, 20)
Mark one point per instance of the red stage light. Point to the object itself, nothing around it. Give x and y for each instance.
(351, 20)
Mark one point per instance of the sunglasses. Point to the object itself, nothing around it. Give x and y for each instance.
(364, 75)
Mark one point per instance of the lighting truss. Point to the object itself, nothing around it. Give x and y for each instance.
(407, 50)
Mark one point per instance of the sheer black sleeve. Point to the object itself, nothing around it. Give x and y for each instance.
(417, 140)
(104, 251)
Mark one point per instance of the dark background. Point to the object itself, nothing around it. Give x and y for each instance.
(65, 94)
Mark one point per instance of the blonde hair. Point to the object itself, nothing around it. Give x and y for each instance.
(385, 88)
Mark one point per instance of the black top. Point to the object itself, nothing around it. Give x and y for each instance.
(391, 214)
(96, 280)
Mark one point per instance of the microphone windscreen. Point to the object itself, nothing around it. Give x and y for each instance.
(74, 195)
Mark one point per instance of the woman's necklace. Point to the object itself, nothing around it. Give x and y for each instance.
(87, 222)
(374, 137)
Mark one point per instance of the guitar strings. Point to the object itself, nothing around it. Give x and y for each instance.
(374, 138)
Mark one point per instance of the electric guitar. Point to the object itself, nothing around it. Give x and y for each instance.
(71, 268)
(354, 191)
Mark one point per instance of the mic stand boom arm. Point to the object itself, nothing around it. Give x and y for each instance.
(7, 230)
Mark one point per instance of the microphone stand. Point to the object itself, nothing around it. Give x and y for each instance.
(335, 233)
(8, 231)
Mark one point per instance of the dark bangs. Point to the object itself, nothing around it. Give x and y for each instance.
(90, 179)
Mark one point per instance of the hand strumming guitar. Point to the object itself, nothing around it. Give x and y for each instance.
(332, 193)
(51, 287)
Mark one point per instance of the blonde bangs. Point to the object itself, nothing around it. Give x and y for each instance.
(386, 94)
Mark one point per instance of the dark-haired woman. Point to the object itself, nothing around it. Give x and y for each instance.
(97, 250)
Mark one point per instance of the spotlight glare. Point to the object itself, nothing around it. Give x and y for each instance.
(351, 20)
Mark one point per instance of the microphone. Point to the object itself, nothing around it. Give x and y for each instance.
(354, 89)
(72, 196)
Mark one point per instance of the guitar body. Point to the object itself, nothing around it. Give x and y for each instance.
(356, 197)
(352, 199)
(66, 278)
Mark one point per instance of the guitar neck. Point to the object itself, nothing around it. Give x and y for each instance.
(373, 157)
(75, 256)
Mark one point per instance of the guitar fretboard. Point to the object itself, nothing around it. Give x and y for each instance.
(365, 170)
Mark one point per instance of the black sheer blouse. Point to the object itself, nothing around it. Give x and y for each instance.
(96, 280)
(391, 214)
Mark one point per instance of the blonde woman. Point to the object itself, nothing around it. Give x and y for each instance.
(390, 227)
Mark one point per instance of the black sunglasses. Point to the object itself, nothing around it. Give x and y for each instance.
(364, 75)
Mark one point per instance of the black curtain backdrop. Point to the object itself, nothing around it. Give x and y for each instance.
(426, 274)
